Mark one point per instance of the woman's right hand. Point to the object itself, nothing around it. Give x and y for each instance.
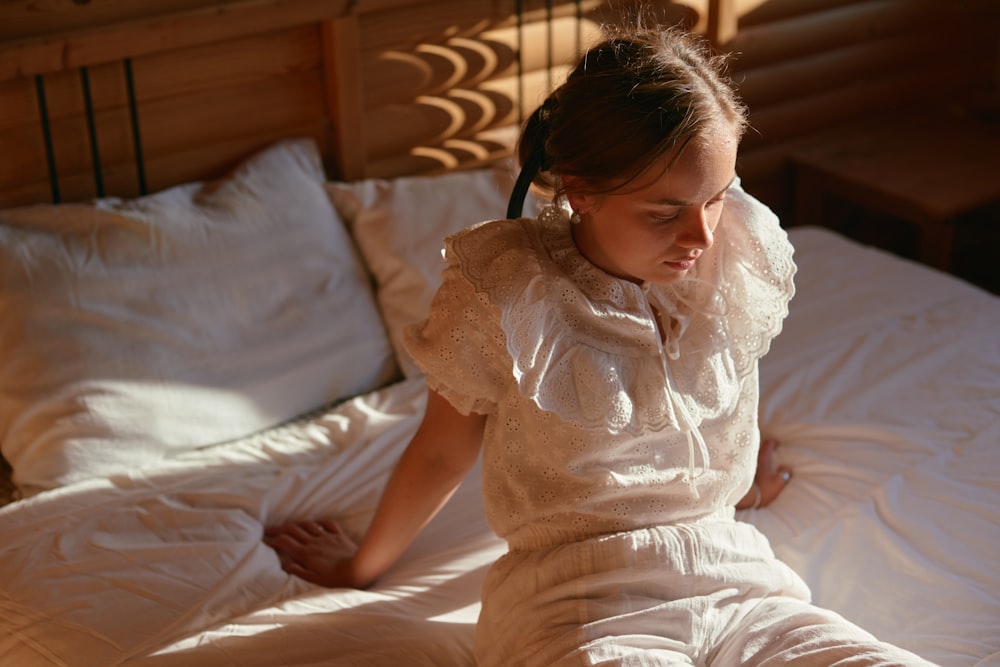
(438, 458)
(317, 551)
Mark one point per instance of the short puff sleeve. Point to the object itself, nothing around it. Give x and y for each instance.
(460, 347)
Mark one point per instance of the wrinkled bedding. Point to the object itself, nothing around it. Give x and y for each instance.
(884, 390)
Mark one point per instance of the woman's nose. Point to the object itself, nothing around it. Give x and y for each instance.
(698, 232)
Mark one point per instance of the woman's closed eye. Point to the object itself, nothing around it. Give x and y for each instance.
(665, 216)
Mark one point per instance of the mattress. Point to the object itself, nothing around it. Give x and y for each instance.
(883, 389)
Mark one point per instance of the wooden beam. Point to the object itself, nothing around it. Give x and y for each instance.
(116, 41)
(848, 25)
(344, 91)
(723, 22)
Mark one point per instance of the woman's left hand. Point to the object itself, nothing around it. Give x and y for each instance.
(770, 480)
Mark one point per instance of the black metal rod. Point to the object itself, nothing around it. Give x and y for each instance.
(520, 62)
(133, 109)
(550, 58)
(50, 155)
(95, 154)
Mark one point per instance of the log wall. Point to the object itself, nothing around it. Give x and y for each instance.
(391, 87)
(807, 67)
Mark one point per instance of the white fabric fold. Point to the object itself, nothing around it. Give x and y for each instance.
(567, 318)
(596, 423)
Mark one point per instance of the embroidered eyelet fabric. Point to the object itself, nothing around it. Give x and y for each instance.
(596, 425)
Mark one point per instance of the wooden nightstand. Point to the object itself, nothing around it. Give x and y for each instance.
(926, 170)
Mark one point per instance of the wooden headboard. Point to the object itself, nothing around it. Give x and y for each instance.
(116, 97)
(111, 97)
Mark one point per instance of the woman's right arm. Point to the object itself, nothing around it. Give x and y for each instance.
(439, 456)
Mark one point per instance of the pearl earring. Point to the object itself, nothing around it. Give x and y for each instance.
(575, 218)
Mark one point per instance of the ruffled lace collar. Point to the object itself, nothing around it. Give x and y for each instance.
(612, 296)
(584, 344)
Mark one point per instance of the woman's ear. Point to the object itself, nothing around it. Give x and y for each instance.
(575, 195)
(577, 202)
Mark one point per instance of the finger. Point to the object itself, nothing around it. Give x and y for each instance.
(308, 575)
(777, 478)
(772, 485)
(313, 528)
(289, 528)
(330, 525)
(298, 532)
(286, 547)
(337, 534)
(291, 567)
(283, 559)
(276, 542)
(765, 460)
(274, 531)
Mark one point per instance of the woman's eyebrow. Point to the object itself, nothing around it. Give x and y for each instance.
(679, 202)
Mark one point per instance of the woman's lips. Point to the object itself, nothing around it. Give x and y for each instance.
(681, 264)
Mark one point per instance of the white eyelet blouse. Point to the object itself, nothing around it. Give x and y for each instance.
(595, 424)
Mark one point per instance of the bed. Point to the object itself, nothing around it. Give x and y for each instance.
(181, 368)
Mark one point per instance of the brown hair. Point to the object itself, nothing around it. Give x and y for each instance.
(631, 99)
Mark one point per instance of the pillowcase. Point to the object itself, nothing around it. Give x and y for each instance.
(136, 329)
(400, 226)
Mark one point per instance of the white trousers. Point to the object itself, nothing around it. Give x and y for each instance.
(709, 594)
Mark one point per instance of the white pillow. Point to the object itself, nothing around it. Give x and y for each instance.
(400, 226)
(132, 330)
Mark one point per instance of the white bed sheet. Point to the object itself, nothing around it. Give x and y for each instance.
(884, 389)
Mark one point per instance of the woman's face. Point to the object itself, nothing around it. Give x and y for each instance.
(655, 229)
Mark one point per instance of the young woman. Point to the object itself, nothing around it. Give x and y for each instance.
(603, 359)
